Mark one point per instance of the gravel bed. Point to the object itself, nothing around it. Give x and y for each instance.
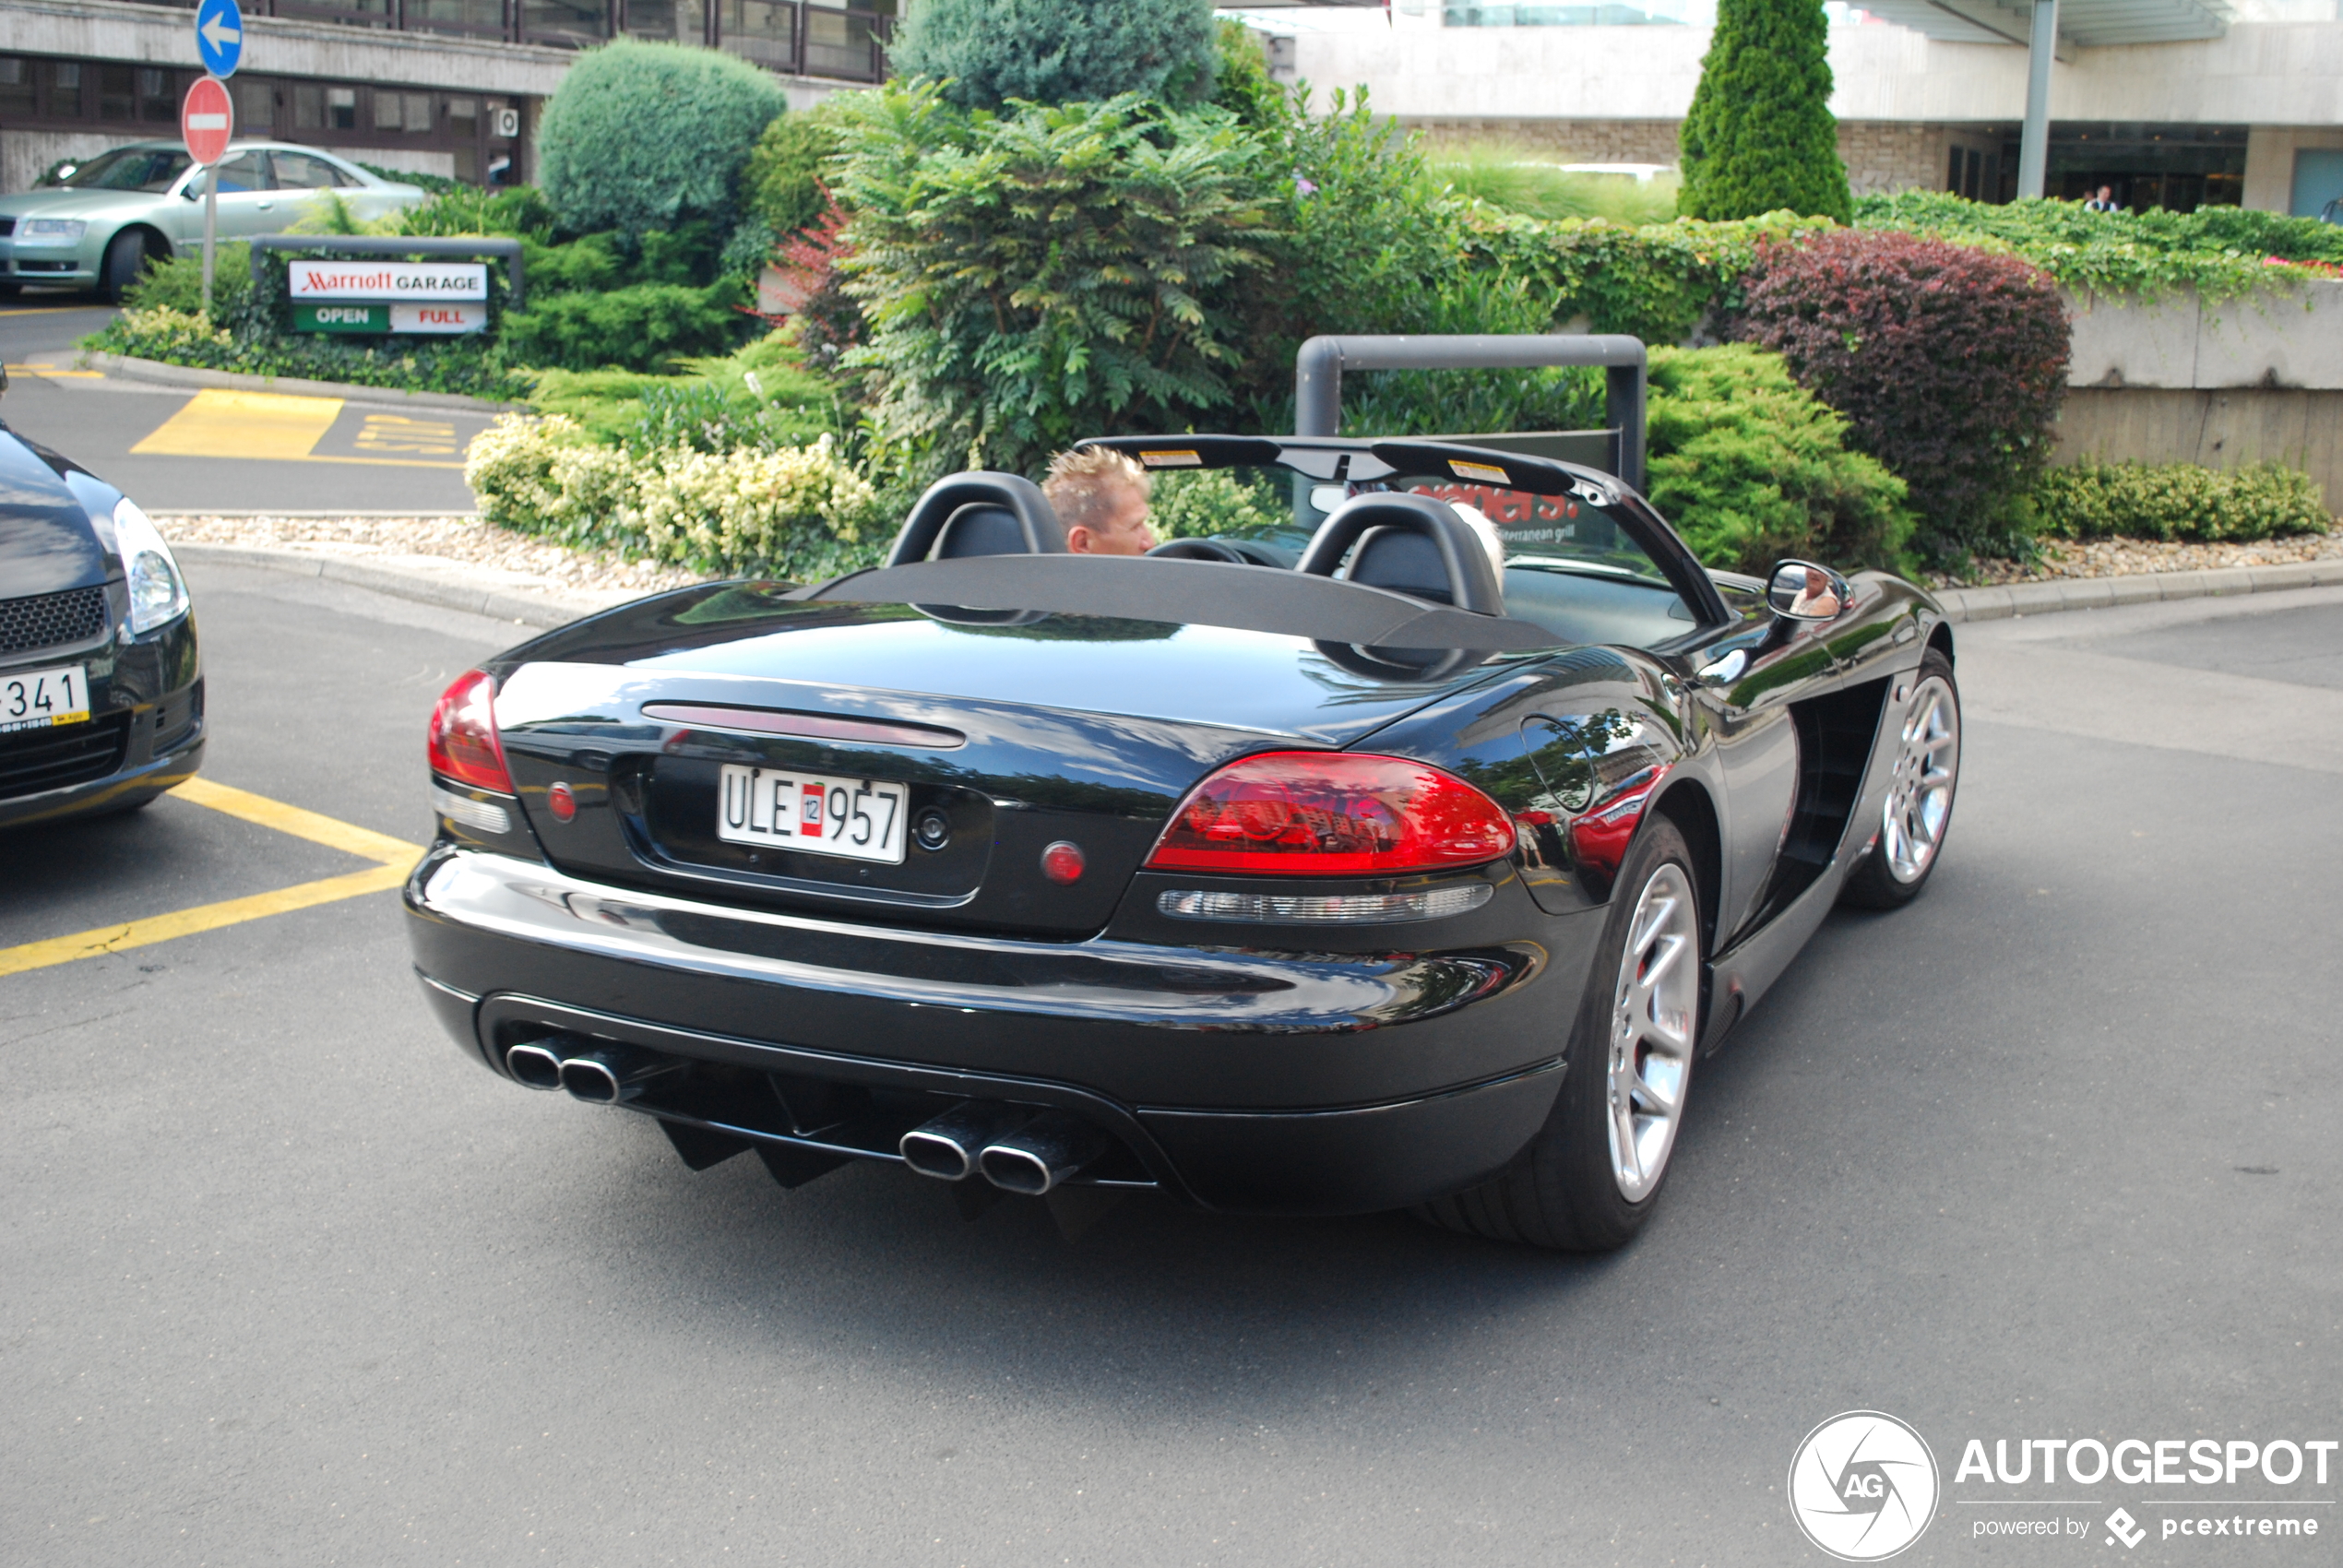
(2127, 557)
(523, 560)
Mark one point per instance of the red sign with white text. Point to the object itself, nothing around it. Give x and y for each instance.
(207, 120)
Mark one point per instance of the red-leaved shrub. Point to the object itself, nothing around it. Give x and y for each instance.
(1949, 363)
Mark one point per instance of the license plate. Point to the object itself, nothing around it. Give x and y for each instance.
(861, 819)
(34, 699)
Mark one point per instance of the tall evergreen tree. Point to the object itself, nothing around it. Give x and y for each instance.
(1761, 135)
(1059, 51)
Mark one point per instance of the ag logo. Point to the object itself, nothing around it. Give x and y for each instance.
(1862, 1486)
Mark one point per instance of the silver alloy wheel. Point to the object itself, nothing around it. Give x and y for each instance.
(1651, 1030)
(1919, 793)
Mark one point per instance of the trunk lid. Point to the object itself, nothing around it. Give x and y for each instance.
(670, 722)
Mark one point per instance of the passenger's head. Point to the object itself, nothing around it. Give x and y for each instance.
(1101, 497)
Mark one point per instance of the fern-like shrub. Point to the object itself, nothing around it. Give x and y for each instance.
(644, 326)
(1036, 277)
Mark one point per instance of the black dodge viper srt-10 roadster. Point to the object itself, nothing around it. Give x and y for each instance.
(1409, 855)
(100, 685)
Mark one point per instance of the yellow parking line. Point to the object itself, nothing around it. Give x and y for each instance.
(187, 923)
(215, 423)
(309, 825)
(377, 462)
(396, 855)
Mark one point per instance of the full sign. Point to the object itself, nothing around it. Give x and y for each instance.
(220, 36)
(207, 120)
(388, 281)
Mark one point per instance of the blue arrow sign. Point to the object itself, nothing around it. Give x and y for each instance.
(220, 37)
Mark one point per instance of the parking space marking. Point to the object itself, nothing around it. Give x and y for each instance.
(396, 432)
(396, 856)
(242, 424)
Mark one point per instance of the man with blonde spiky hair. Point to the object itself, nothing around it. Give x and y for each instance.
(1101, 497)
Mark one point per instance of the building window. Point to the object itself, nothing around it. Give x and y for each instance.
(418, 113)
(255, 103)
(117, 92)
(385, 111)
(16, 88)
(309, 108)
(156, 100)
(463, 117)
(341, 108)
(65, 91)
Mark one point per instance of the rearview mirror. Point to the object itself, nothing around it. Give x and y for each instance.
(1800, 590)
(1326, 497)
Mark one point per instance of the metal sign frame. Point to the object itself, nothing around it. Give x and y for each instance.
(1319, 365)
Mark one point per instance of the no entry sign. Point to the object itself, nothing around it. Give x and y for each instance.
(207, 120)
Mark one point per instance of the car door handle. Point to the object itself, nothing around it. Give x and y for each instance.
(265, 205)
(1726, 669)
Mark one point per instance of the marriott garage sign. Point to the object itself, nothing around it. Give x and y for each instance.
(389, 296)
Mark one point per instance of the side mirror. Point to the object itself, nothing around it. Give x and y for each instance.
(1800, 590)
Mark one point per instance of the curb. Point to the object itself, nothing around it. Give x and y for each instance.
(452, 590)
(2101, 593)
(128, 369)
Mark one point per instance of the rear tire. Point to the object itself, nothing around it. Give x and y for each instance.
(1919, 812)
(1592, 1176)
(126, 259)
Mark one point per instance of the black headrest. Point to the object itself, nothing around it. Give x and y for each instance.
(1411, 544)
(979, 513)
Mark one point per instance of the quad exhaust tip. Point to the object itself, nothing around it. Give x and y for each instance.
(1009, 1145)
(607, 1073)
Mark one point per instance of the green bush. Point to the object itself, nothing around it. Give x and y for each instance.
(643, 135)
(2217, 250)
(177, 284)
(788, 172)
(1208, 503)
(1657, 282)
(2180, 500)
(642, 327)
(1040, 276)
(1751, 467)
(1760, 136)
(1516, 180)
(799, 512)
(437, 184)
(517, 211)
(1058, 51)
(1244, 86)
(1465, 402)
(760, 395)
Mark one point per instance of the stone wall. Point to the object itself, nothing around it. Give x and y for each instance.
(2219, 429)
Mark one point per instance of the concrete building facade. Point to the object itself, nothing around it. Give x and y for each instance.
(2252, 117)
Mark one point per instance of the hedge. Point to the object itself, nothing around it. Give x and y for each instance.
(986, 53)
(2180, 500)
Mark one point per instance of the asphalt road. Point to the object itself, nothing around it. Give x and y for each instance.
(176, 451)
(2050, 1153)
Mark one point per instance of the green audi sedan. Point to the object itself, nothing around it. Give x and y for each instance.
(98, 225)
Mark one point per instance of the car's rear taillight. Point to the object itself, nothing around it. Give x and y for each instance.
(463, 742)
(1331, 813)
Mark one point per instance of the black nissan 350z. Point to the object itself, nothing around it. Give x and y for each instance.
(100, 688)
(1409, 854)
